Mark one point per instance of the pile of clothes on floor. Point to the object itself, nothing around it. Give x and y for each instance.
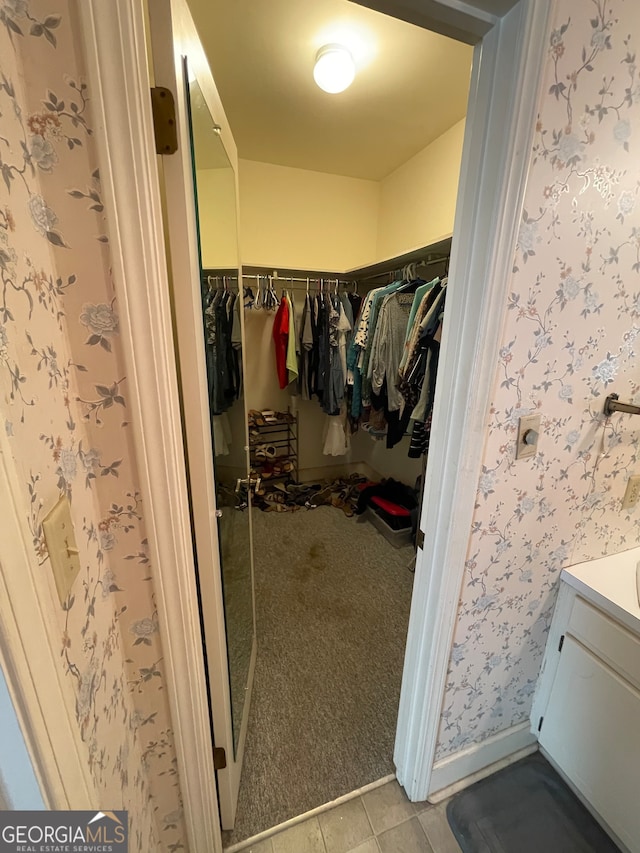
(351, 494)
(278, 496)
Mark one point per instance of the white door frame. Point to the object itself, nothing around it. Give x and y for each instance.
(497, 143)
(113, 36)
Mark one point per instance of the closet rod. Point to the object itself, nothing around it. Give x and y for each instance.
(426, 260)
(433, 261)
(284, 280)
(219, 279)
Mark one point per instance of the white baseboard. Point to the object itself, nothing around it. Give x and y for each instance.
(462, 769)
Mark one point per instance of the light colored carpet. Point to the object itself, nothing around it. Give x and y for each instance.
(332, 599)
(238, 608)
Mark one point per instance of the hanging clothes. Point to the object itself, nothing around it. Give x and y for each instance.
(429, 346)
(388, 346)
(305, 350)
(280, 340)
(334, 385)
(337, 434)
(355, 300)
(292, 355)
(223, 374)
(369, 361)
(324, 353)
(236, 343)
(366, 333)
(376, 304)
(355, 351)
(344, 329)
(412, 367)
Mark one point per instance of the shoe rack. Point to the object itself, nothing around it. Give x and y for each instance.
(273, 445)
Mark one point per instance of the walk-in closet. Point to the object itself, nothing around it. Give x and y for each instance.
(324, 253)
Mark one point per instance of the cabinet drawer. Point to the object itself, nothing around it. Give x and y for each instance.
(617, 646)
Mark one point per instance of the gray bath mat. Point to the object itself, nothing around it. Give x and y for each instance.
(525, 808)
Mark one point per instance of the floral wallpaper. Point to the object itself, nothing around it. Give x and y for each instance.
(64, 406)
(570, 338)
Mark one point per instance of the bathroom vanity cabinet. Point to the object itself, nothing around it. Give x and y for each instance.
(586, 711)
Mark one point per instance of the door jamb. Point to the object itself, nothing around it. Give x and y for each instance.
(115, 44)
(497, 144)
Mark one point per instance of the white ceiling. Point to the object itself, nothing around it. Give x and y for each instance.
(411, 85)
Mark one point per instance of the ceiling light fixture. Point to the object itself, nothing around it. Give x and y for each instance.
(335, 69)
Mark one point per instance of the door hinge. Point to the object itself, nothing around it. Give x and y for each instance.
(561, 643)
(165, 127)
(420, 539)
(219, 758)
(540, 723)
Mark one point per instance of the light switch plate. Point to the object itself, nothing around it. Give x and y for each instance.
(61, 545)
(632, 492)
(527, 423)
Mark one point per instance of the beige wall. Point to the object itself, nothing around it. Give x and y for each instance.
(418, 200)
(305, 220)
(293, 218)
(217, 218)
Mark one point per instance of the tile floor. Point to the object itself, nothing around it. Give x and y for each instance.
(380, 821)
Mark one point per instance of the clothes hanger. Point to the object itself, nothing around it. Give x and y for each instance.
(273, 296)
(248, 299)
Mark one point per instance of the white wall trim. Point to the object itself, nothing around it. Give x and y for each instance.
(479, 760)
(498, 134)
(44, 703)
(119, 81)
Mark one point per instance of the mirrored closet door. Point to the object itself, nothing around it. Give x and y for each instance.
(201, 218)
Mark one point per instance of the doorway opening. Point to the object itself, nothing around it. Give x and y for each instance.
(332, 528)
(497, 145)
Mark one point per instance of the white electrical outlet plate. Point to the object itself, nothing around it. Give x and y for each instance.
(632, 492)
(61, 545)
(528, 433)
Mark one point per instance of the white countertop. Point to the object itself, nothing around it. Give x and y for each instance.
(610, 583)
